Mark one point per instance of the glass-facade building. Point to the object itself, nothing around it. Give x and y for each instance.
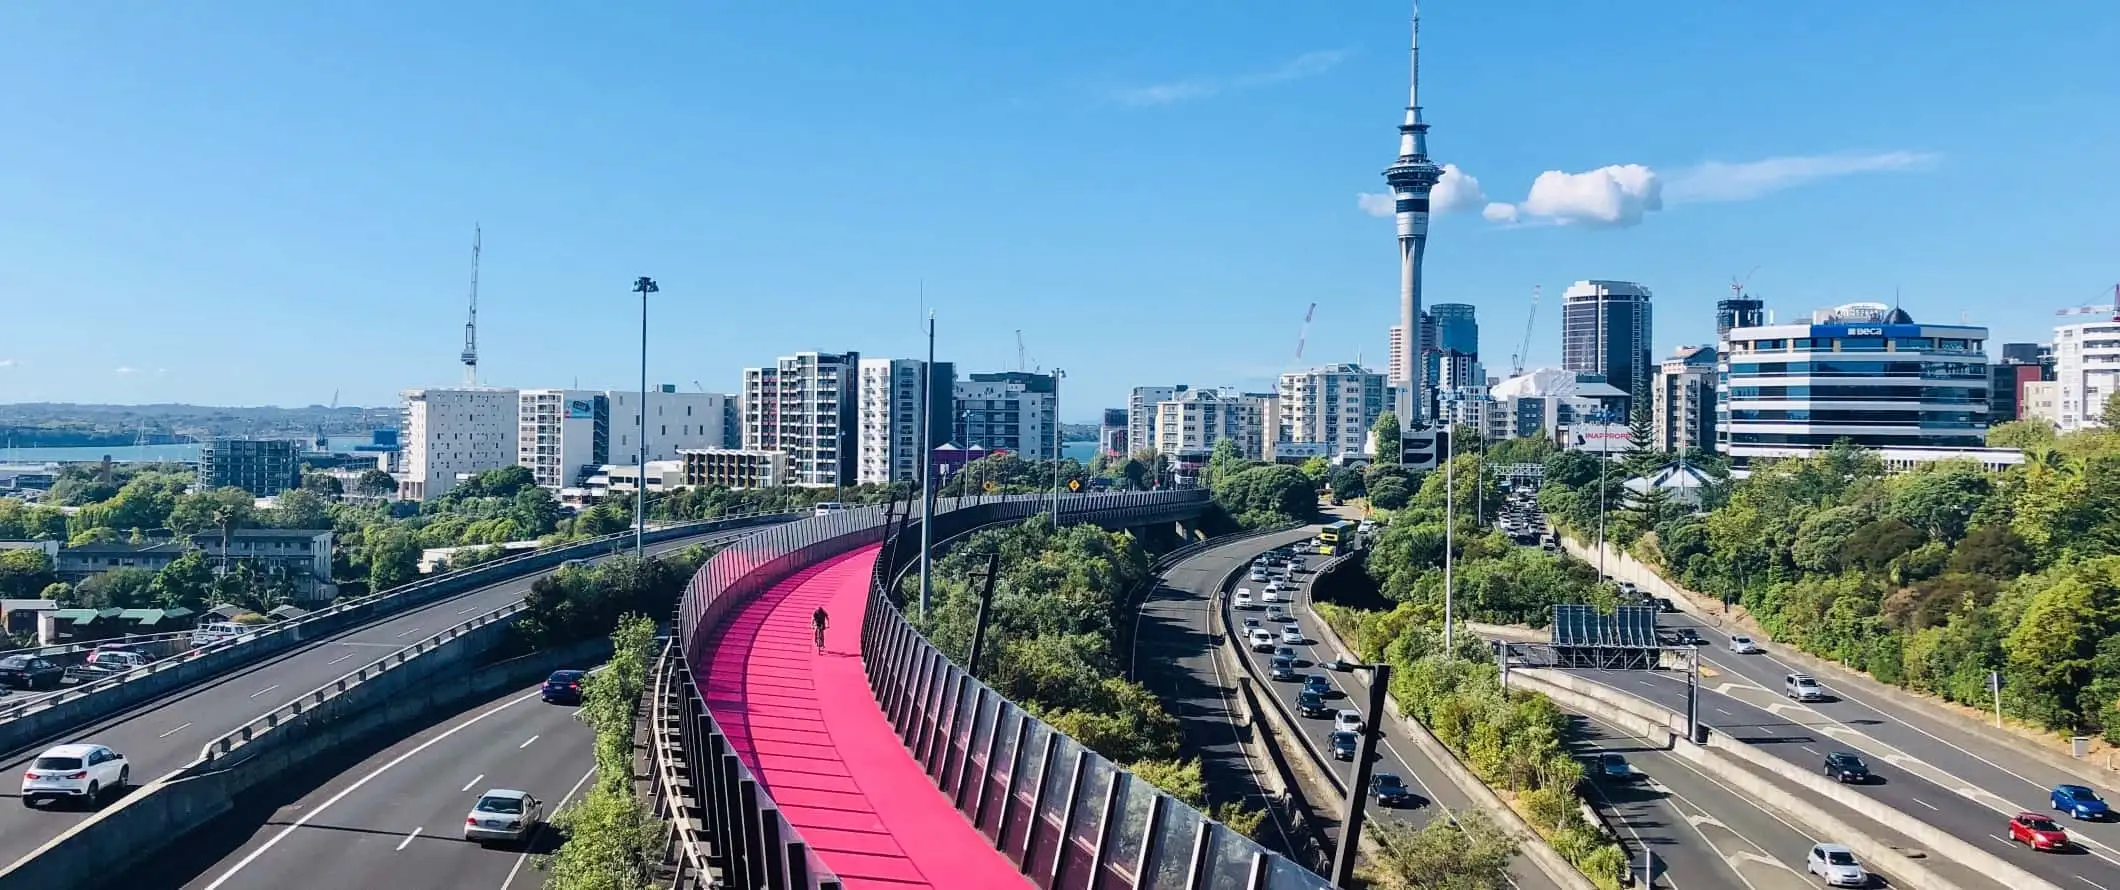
(1606, 329)
(1865, 372)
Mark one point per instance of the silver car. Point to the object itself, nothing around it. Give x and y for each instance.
(503, 814)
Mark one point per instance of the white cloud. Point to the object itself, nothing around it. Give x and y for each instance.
(1616, 195)
(1499, 212)
(122, 371)
(1308, 64)
(7, 363)
(1457, 192)
(1723, 181)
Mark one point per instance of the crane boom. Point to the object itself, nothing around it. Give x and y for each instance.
(1303, 335)
(1516, 362)
(1021, 364)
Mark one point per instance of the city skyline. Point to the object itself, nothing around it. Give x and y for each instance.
(196, 193)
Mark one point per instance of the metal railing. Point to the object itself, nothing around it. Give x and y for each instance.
(728, 829)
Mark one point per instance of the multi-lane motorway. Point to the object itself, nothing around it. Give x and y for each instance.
(166, 734)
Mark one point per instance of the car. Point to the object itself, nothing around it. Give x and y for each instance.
(1390, 790)
(1347, 720)
(1285, 652)
(30, 672)
(1261, 640)
(1256, 576)
(1270, 595)
(1243, 600)
(1614, 766)
(1312, 704)
(1276, 613)
(1338, 664)
(118, 656)
(503, 814)
(827, 508)
(82, 771)
(1802, 687)
(1663, 604)
(563, 687)
(2038, 832)
(215, 632)
(1685, 636)
(2079, 802)
(1344, 745)
(1317, 684)
(1251, 624)
(1836, 865)
(1284, 669)
(1847, 767)
(1743, 645)
(1291, 635)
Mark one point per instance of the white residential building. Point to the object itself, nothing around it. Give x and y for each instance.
(1682, 407)
(806, 406)
(565, 434)
(2040, 402)
(2086, 372)
(1007, 410)
(451, 433)
(1141, 414)
(1333, 406)
(888, 442)
(1194, 422)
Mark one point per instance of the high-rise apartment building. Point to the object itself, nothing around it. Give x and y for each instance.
(1111, 434)
(1865, 372)
(263, 467)
(1395, 357)
(806, 406)
(2086, 372)
(1193, 422)
(451, 433)
(565, 435)
(1683, 406)
(890, 409)
(1455, 359)
(1141, 414)
(2019, 364)
(1739, 312)
(1008, 411)
(1605, 330)
(1333, 406)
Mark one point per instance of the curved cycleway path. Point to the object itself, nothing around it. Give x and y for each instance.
(810, 730)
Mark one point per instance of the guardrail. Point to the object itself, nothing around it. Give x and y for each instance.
(740, 838)
(60, 651)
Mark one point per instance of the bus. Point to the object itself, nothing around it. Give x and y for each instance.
(1336, 538)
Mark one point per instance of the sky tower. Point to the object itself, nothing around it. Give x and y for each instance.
(1412, 177)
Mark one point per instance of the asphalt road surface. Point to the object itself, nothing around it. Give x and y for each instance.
(163, 735)
(1794, 733)
(1396, 753)
(396, 819)
(1174, 656)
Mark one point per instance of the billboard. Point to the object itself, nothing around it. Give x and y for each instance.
(1600, 438)
(581, 409)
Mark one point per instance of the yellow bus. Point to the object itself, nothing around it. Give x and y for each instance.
(1336, 537)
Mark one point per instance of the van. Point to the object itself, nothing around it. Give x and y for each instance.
(827, 508)
(216, 632)
(1802, 687)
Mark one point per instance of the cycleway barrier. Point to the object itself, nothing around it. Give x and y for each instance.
(25, 723)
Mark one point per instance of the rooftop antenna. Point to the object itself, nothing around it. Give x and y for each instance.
(470, 356)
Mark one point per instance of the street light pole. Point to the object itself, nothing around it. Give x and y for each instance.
(927, 465)
(1358, 791)
(1449, 538)
(1058, 375)
(1603, 460)
(643, 286)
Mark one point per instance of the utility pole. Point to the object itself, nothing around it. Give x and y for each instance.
(643, 286)
(927, 464)
(1693, 696)
(1057, 376)
(1358, 792)
(1449, 539)
(986, 603)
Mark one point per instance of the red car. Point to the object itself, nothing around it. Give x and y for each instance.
(2037, 831)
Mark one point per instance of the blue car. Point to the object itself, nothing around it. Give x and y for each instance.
(563, 687)
(2079, 802)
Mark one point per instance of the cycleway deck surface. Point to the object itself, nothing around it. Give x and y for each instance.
(810, 730)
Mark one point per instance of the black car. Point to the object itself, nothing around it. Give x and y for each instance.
(1390, 791)
(1313, 704)
(1317, 684)
(1343, 745)
(1663, 604)
(1847, 767)
(1284, 668)
(30, 672)
(563, 687)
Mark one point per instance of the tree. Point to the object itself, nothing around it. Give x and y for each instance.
(1345, 483)
(2110, 413)
(301, 508)
(323, 485)
(220, 510)
(393, 559)
(184, 583)
(376, 483)
(123, 588)
(1386, 436)
(1939, 498)
(24, 573)
(2029, 435)
(1465, 853)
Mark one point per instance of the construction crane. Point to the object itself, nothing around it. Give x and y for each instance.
(2097, 309)
(1021, 363)
(1737, 285)
(470, 356)
(1303, 332)
(1516, 362)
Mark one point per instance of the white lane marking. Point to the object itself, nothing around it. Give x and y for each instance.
(465, 609)
(172, 732)
(1925, 803)
(526, 743)
(2003, 839)
(410, 632)
(531, 840)
(2090, 882)
(1812, 750)
(473, 783)
(1725, 712)
(1767, 729)
(246, 861)
(408, 839)
(341, 658)
(265, 690)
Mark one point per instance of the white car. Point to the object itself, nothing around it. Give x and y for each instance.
(1257, 575)
(1292, 635)
(503, 814)
(1742, 645)
(1261, 640)
(1347, 721)
(216, 631)
(1272, 594)
(83, 772)
(1836, 865)
(1243, 600)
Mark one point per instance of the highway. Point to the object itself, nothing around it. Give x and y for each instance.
(1175, 657)
(1396, 753)
(165, 734)
(396, 819)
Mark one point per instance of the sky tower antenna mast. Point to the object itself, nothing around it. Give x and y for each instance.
(470, 356)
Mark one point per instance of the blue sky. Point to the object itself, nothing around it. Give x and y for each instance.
(254, 201)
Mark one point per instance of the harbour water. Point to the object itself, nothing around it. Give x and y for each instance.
(181, 452)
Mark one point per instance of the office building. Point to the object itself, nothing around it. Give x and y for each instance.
(263, 467)
(1864, 372)
(1683, 406)
(1008, 411)
(1193, 422)
(1141, 414)
(1111, 434)
(1412, 177)
(2086, 372)
(1454, 359)
(454, 433)
(1554, 403)
(1738, 312)
(805, 406)
(1332, 406)
(2019, 364)
(1605, 330)
(565, 435)
(888, 444)
(733, 468)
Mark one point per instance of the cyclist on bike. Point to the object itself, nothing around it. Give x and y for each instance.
(819, 620)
